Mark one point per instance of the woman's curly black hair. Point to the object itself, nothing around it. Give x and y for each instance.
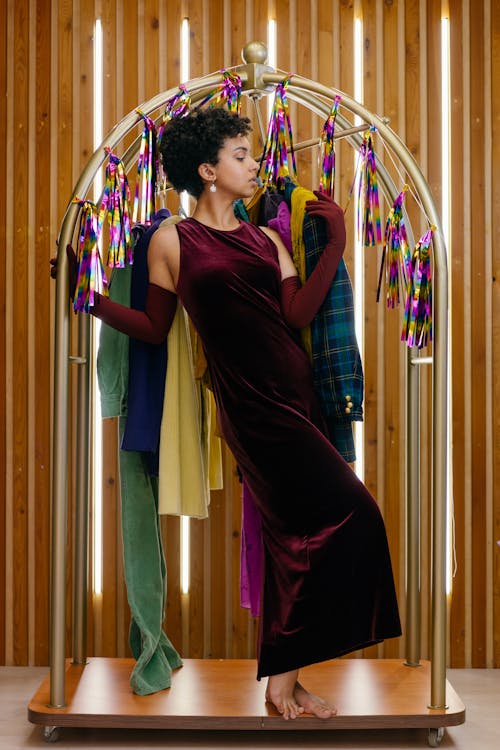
(194, 139)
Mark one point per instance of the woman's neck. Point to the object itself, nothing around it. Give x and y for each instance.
(215, 213)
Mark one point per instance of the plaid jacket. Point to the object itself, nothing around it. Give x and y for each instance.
(338, 372)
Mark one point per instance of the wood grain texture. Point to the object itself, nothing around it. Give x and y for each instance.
(48, 116)
(42, 383)
(19, 353)
(368, 694)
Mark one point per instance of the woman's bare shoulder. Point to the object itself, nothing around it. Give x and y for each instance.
(163, 256)
(165, 237)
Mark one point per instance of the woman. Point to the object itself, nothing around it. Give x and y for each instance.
(328, 587)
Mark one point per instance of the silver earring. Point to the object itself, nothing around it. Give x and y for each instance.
(213, 188)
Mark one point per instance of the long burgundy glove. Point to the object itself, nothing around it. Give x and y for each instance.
(301, 303)
(151, 325)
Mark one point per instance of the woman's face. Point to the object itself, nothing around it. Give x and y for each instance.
(236, 169)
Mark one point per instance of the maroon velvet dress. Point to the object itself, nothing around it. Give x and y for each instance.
(328, 587)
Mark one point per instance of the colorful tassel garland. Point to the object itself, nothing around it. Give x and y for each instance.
(91, 277)
(228, 93)
(327, 152)
(395, 255)
(417, 328)
(115, 207)
(146, 173)
(177, 106)
(279, 141)
(369, 230)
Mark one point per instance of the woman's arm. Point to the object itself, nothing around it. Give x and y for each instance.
(153, 323)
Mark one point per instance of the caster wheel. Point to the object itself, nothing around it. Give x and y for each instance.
(51, 734)
(434, 736)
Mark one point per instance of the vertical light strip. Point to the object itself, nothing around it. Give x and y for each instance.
(316, 122)
(359, 286)
(184, 68)
(272, 47)
(184, 198)
(446, 220)
(445, 129)
(272, 42)
(96, 403)
(185, 72)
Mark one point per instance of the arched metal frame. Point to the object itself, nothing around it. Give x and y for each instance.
(256, 79)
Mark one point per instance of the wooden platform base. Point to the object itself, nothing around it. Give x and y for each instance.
(224, 694)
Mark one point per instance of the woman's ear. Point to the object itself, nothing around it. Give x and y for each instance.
(206, 172)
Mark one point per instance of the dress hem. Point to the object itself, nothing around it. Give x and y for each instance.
(307, 661)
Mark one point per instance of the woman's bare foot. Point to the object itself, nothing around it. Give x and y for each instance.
(311, 704)
(280, 692)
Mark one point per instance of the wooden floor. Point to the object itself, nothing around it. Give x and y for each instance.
(224, 695)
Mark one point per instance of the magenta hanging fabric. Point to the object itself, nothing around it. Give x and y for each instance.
(91, 277)
(327, 152)
(417, 328)
(115, 207)
(396, 256)
(279, 141)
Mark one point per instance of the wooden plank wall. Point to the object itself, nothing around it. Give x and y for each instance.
(46, 74)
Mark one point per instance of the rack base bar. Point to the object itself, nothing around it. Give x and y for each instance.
(224, 694)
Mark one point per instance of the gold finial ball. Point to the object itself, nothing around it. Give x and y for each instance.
(254, 52)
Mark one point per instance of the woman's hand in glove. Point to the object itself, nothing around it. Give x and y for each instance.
(301, 303)
(333, 216)
(72, 269)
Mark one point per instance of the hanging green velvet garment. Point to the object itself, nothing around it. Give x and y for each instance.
(144, 561)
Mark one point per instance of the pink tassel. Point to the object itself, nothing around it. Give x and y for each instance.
(145, 187)
(279, 142)
(395, 253)
(91, 277)
(115, 207)
(369, 229)
(228, 93)
(327, 154)
(417, 327)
